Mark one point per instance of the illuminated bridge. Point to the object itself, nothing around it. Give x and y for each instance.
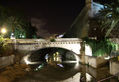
(72, 44)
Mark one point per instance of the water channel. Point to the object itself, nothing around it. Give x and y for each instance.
(61, 65)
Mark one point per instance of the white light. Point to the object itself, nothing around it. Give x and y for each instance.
(26, 59)
(3, 30)
(12, 36)
(77, 61)
(40, 66)
(88, 50)
(60, 65)
(23, 36)
(88, 77)
(69, 61)
(75, 48)
(28, 62)
(60, 36)
(107, 58)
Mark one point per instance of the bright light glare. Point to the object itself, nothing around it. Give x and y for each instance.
(28, 62)
(88, 77)
(88, 50)
(26, 59)
(107, 58)
(3, 30)
(60, 65)
(77, 62)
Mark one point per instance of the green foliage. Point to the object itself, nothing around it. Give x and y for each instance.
(19, 33)
(5, 49)
(100, 47)
(16, 23)
(30, 31)
(110, 17)
(52, 40)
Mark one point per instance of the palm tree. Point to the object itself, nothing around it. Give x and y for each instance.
(13, 23)
(10, 20)
(110, 17)
(16, 23)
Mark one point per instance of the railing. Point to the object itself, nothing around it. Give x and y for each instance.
(60, 41)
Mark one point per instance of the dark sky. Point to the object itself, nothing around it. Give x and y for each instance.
(49, 16)
(55, 16)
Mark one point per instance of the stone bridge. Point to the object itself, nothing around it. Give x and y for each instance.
(72, 44)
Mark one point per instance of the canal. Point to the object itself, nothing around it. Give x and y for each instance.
(61, 65)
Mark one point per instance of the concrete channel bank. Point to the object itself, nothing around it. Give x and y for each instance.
(6, 61)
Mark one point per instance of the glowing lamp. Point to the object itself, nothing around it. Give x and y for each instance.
(3, 30)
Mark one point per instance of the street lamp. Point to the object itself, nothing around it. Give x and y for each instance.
(3, 30)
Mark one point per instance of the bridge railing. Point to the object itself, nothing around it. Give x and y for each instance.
(43, 40)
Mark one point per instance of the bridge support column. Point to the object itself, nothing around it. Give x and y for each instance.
(82, 52)
(82, 60)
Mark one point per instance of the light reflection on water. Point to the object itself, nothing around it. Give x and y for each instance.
(65, 71)
(54, 72)
(56, 69)
(64, 66)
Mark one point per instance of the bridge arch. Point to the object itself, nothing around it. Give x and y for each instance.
(58, 49)
(64, 55)
(52, 50)
(72, 44)
(77, 52)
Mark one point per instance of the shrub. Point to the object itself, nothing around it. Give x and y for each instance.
(5, 49)
(52, 40)
(100, 47)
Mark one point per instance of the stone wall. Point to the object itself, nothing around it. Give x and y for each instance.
(72, 44)
(114, 67)
(95, 62)
(115, 40)
(7, 60)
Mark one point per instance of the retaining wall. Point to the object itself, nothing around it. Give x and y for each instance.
(95, 62)
(7, 60)
(114, 67)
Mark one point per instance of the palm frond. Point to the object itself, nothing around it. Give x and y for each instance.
(113, 24)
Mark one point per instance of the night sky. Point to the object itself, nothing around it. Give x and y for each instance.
(49, 16)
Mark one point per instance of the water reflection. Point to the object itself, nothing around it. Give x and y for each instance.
(51, 56)
(55, 64)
